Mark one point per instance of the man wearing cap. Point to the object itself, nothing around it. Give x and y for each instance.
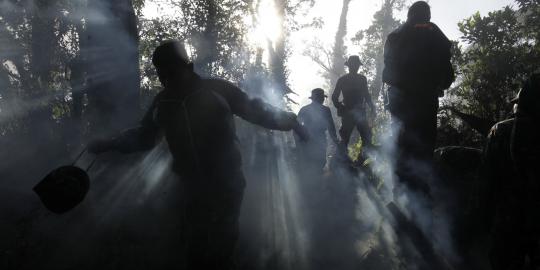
(510, 172)
(195, 115)
(352, 108)
(317, 121)
(418, 70)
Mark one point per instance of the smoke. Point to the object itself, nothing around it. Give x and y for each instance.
(292, 218)
(426, 213)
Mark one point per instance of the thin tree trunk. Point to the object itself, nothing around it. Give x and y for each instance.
(210, 39)
(278, 50)
(377, 86)
(113, 64)
(43, 41)
(339, 45)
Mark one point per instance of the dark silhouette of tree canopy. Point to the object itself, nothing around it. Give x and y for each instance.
(502, 51)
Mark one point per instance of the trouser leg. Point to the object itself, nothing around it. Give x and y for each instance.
(347, 126)
(212, 230)
(417, 131)
(365, 133)
(416, 128)
(507, 252)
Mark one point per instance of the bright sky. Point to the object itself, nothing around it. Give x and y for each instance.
(305, 74)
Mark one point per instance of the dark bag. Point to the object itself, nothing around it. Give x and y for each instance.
(417, 58)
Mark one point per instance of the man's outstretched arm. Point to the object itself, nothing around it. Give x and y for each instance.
(256, 111)
(141, 138)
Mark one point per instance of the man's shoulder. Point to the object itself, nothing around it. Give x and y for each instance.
(326, 109)
(356, 77)
(396, 32)
(304, 108)
(502, 129)
(222, 87)
(165, 94)
(216, 83)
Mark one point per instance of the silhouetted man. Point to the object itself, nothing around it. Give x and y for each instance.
(195, 116)
(352, 108)
(418, 69)
(510, 168)
(317, 121)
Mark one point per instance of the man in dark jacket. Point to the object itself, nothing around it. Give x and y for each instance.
(418, 69)
(195, 116)
(317, 121)
(512, 177)
(352, 108)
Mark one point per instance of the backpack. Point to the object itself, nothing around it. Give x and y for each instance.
(417, 59)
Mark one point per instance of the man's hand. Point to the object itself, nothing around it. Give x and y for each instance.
(301, 132)
(99, 146)
(340, 109)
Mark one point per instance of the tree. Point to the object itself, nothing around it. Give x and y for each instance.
(330, 60)
(278, 50)
(499, 57)
(372, 43)
(215, 31)
(501, 50)
(39, 40)
(113, 64)
(339, 50)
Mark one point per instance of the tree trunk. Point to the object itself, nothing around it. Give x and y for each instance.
(113, 64)
(388, 18)
(207, 47)
(277, 51)
(339, 51)
(43, 42)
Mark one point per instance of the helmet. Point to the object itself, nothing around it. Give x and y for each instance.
(419, 12)
(170, 53)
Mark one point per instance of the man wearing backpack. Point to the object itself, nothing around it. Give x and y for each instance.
(195, 115)
(353, 106)
(418, 70)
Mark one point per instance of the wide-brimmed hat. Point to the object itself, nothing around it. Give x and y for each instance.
(353, 59)
(317, 92)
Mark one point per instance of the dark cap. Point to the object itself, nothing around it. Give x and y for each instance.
(353, 60)
(317, 93)
(528, 98)
(419, 12)
(170, 53)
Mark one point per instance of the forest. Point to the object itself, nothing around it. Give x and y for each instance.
(76, 70)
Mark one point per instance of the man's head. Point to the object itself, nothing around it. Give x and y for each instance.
(172, 63)
(318, 95)
(529, 97)
(419, 12)
(353, 63)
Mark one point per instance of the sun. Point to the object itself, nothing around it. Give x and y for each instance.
(267, 24)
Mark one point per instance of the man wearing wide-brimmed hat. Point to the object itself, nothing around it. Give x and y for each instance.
(352, 108)
(511, 175)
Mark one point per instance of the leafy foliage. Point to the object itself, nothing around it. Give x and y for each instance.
(501, 53)
(372, 43)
